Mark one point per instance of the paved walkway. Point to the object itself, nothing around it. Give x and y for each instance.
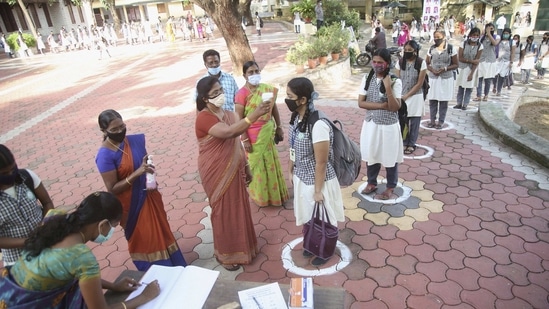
(468, 229)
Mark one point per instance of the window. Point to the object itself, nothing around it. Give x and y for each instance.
(161, 7)
(71, 13)
(34, 14)
(47, 14)
(80, 13)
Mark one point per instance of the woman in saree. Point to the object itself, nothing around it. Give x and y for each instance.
(225, 173)
(58, 270)
(268, 187)
(122, 162)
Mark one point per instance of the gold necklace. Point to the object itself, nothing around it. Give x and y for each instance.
(83, 237)
(109, 141)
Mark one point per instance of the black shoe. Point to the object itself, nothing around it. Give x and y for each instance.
(307, 253)
(458, 106)
(464, 108)
(318, 261)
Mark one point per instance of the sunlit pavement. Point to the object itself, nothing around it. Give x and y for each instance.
(468, 227)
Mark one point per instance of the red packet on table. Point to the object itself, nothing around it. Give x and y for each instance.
(301, 293)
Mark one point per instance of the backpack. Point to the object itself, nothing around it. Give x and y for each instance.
(347, 157)
(425, 86)
(27, 180)
(260, 22)
(403, 110)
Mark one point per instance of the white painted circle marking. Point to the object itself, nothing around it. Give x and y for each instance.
(288, 263)
(429, 153)
(447, 126)
(405, 195)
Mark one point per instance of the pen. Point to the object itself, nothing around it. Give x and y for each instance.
(257, 303)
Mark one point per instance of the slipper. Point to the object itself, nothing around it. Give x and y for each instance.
(231, 267)
(369, 189)
(387, 194)
(438, 126)
(307, 253)
(477, 99)
(485, 98)
(431, 125)
(410, 150)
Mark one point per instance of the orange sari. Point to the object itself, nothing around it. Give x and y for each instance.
(221, 164)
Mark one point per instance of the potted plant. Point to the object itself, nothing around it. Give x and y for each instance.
(306, 9)
(312, 52)
(297, 55)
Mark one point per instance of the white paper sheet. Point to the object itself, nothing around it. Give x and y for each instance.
(267, 296)
(179, 285)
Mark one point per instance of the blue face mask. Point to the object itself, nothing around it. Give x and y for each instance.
(102, 238)
(214, 71)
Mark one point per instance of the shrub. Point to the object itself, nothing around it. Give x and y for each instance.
(14, 45)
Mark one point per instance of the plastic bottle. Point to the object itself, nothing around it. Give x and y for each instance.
(151, 177)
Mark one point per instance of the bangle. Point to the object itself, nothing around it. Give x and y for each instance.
(124, 305)
(248, 121)
(445, 69)
(128, 181)
(245, 140)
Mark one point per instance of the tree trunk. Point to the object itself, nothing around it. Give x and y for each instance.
(28, 19)
(244, 9)
(226, 17)
(115, 19)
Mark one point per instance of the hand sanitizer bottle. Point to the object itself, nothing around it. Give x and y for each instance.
(151, 177)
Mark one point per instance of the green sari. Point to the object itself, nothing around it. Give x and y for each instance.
(268, 187)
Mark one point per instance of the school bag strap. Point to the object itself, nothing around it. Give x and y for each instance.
(27, 180)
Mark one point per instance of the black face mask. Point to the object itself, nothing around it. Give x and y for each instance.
(117, 137)
(492, 33)
(408, 55)
(292, 104)
(438, 42)
(9, 180)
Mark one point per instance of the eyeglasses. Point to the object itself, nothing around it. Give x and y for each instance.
(117, 129)
(216, 93)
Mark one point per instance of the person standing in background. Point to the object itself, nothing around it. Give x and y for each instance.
(500, 23)
(319, 15)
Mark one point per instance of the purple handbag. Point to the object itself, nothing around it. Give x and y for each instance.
(319, 235)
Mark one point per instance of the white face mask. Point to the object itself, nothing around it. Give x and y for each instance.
(218, 101)
(254, 79)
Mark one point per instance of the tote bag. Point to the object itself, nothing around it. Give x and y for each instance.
(319, 235)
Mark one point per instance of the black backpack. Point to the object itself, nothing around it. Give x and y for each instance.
(260, 22)
(417, 65)
(347, 157)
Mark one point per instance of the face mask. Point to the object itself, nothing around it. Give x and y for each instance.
(117, 137)
(254, 79)
(292, 104)
(438, 42)
(218, 101)
(408, 55)
(101, 238)
(506, 36)
(214, 71)
(492, 33)
(515, 42)
(473, 39)
(9, 180)
(379, 68)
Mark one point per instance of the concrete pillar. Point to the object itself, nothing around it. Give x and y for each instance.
(125, 14)
(142, 15)
(89, 18)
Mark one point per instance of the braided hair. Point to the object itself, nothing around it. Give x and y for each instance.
(303, 88)
(94, 208)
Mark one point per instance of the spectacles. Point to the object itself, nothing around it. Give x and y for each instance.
(216, 93)
(117, 129)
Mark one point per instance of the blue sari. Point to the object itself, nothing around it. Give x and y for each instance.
(145, 223)
(13, 296)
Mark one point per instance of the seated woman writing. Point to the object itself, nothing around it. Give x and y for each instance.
(58, 270)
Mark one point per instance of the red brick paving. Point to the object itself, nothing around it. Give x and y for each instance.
(488, 248)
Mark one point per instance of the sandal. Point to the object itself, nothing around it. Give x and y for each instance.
(431, 125)
(369, 189)
(318, 261)
(307, 253)
(438, 126)
(477, 99)
(410, 150)
(485, 98)
(387, 194)
(231, 267)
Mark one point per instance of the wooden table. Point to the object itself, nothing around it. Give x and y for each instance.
(226, 291)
